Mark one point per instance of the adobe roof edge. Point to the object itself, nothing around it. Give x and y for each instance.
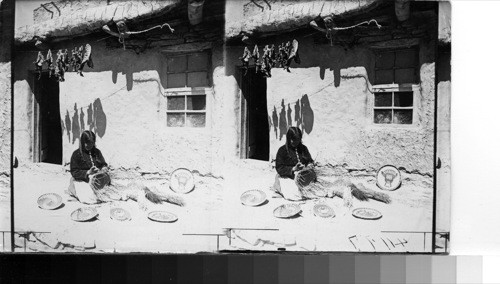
(92, 20)
(295, 16)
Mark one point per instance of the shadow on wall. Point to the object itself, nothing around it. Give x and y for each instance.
(96, 121)
(303, 117)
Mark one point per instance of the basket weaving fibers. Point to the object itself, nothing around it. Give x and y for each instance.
(312, 184)
(307, 182)
(100, 180)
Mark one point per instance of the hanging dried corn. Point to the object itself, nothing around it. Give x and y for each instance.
(39, 64)
(60, 66)
(256, 56)
(282, 57)
(80, 56)
(245, 59)
(49, 61)
(86, 59)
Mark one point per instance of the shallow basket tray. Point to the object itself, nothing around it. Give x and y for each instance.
(386, 184)
(179, 176)
(253, 197)
(162, 216)
(84, 214)
(287, 210)
(119, 214)
(323, 211)
(49, 201)
(366, 213)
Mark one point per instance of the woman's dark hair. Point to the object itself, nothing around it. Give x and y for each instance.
(87, 136)
(293, 133)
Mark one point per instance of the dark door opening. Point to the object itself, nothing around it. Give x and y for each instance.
(255, 120)
(48, 133)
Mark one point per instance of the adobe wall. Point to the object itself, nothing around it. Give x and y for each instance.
(123, 100)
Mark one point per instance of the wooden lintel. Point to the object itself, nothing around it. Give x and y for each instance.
(187, 47)
(396, 43)
(155, 43)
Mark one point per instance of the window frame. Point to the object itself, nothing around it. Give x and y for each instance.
(189, 91)
(416, 75)
(178, 93)
(413, 87)
(395, 88)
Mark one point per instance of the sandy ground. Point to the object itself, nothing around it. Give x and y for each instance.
(214, 207)
(410, 211)
(105, 234)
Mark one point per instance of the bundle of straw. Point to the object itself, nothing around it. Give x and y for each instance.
(136, 192)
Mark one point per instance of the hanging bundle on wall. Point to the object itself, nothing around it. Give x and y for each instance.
(61, 63)
(49, 60)
(80, 56)
(282, 57)
(245, 59)
(39, 64)
(86, 59)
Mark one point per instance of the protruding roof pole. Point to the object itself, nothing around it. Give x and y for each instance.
(195, 11)
(402, 10)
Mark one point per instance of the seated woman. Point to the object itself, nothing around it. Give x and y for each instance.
(87, 161)
(90, 182)
(297, 176)
(291, 158)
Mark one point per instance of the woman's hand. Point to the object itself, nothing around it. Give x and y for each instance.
(299, 166)
(310, 166)
(92, 171)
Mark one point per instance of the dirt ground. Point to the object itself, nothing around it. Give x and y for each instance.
(214, 218)
(105, 234)
(403, 221)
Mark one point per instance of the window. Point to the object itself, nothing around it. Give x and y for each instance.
(395, 72)
(396, 66)
(393, 108)
(186, 110)
(188, 79)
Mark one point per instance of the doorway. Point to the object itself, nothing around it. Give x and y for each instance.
(255, 119)
(47, 120)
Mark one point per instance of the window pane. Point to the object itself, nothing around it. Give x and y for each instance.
(196, 120)
(382, 116)
(403, 116)
(406, 58)
(177, 64)
(175, 119)
(196, 102)
(384, 76)
(197, 79)
(176, 80)
(198, 62)
(403, 99)
(385, 60)
(176, 103)
(405, 76)
(383, 99)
